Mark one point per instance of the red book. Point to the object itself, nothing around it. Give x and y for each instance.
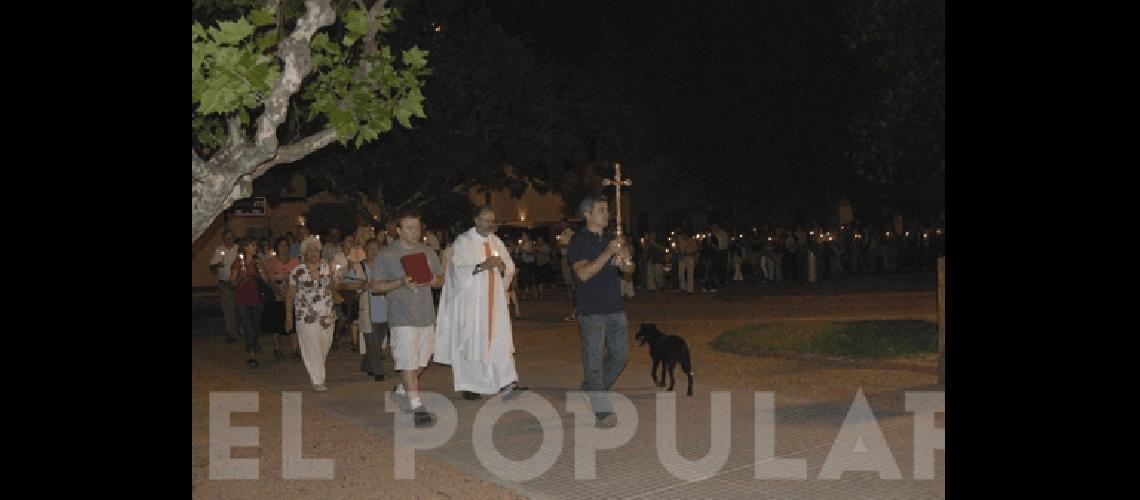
(416, 266)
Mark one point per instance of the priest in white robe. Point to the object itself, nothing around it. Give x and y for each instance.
(473, 326)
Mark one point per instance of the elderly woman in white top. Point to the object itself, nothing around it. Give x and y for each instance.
(310, 297)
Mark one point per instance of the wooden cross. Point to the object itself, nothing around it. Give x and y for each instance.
(618, 182)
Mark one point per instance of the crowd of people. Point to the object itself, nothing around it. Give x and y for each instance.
(311, 291)
(714, 258)
(311, 294)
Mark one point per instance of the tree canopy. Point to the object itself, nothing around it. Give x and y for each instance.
(322, 70)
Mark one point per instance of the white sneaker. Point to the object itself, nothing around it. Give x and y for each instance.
(320, 388)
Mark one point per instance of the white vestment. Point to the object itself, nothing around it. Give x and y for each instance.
(473, 326)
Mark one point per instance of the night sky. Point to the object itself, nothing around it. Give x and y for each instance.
(748, 110)
(760, 93)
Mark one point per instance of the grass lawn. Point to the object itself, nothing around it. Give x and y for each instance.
(847, 339)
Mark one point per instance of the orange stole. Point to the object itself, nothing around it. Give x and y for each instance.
(490, 297)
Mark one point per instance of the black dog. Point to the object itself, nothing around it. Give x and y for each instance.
(668, 350)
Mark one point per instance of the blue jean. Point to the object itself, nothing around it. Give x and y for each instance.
(250, 317)
(611, 331)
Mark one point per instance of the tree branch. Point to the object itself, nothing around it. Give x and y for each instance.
(297, 56)
(198, 166)
(297, 150)
(368, 43)
(233, 125)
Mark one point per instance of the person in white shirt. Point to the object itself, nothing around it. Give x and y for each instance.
(473, 326)
(220, 263)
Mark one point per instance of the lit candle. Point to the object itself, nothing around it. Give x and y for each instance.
(812, 233)
(769, 238)
(223, 254)
(741, 235)
(666, 250)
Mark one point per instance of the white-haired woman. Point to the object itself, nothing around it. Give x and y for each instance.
(310, 297)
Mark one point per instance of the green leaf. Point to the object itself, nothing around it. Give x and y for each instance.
(404, 113)
(233, 32)
(263, 17)
(244, 115)
(257, 76)
(271, 77)
(357, 23)
(415, 57)
(322, 43)
(348, 40)
(197, 56)
(215, 100)
(199, 32)
(197, 85)
(266, 41)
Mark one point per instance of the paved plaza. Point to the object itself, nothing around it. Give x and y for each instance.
(812, 399)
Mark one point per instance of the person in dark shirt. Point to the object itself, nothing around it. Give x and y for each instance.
(598, 262)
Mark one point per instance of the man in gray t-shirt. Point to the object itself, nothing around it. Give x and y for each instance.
(411, 312)
(407, 306)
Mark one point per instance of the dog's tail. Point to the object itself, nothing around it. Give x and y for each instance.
(687, 366)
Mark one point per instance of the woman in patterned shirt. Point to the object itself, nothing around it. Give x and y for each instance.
(310, 296)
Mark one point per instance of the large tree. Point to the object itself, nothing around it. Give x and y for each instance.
(319, 69)
(499, 120)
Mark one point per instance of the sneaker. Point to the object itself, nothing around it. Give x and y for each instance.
(320, 388)
(423, 418)
(607, 420)
(513, 391)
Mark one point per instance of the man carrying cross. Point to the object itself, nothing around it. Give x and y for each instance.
(598, 261)
(473, 328)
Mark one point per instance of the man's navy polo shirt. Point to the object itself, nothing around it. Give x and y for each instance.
(600, 294)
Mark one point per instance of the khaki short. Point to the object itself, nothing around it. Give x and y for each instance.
(412, 346)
